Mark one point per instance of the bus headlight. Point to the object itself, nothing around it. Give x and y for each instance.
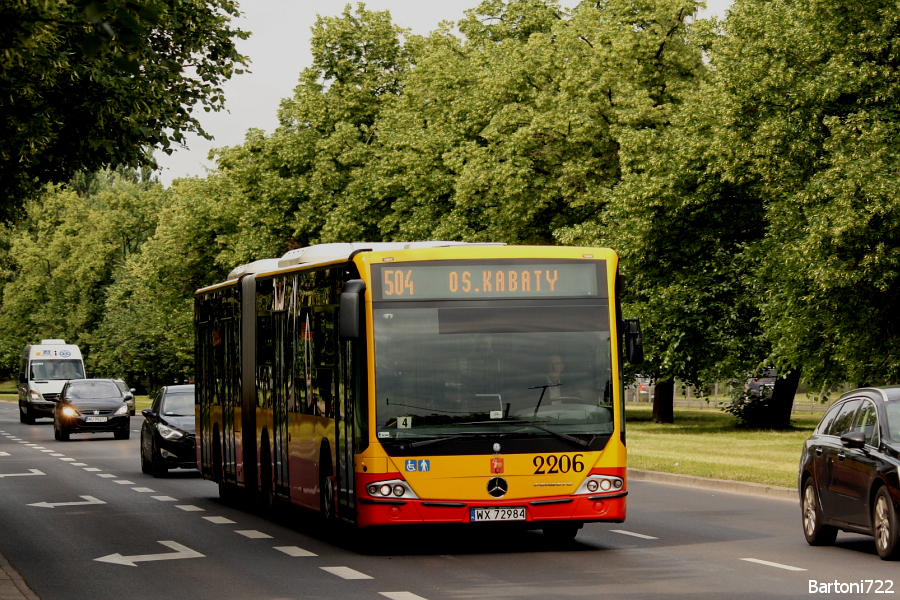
(395, 488)
(600, 484)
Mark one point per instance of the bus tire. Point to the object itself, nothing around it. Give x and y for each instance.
(561, 532)
(326, 489)
(266, 482)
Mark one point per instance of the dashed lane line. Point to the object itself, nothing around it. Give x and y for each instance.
(345, 572)
(78, 464)
(144, 490)
(294, 551)
(57, 454)
(633, 534)
(401, 596)
(190, 508)
(92, 469)
(123, 482)
(218, 520)
(773, 564)
(164, 498)
(67, 459)
(106, 475)
(253, 534)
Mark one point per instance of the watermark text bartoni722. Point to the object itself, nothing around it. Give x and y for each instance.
(863, 586)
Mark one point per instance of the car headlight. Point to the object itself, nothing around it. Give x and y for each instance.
(122, 409)
(69, 411)
(170, 433)
(35, 396)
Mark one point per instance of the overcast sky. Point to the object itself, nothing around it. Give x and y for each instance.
(279, 50)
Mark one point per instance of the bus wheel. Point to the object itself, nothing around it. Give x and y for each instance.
(561, 532)
(326, 492)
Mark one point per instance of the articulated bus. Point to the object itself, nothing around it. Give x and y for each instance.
(426, 382)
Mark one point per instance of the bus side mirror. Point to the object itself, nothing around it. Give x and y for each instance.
(351, 302)
(22, 378)
(634, 343)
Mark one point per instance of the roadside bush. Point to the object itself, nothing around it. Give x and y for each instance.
(751, 410)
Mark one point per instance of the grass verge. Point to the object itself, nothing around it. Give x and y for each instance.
(706, 443)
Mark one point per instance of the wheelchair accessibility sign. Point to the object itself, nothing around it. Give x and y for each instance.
(422, 466)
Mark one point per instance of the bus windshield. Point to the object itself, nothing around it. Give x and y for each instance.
(56, 369)
(533, 368)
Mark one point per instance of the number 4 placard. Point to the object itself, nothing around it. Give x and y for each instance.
(404, 422)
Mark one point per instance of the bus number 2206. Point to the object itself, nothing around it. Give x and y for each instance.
(558, 464)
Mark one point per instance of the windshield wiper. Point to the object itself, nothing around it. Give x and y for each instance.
(562, 436)
(543, 389)
(446, 438)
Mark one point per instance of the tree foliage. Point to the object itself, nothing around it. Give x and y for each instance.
(90, 83)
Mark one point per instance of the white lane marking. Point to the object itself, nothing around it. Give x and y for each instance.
(124, 482)
(92, 469)
(57, 454)
(67, 459)
(78, 464)
(36, 447)
(144, 490)
(48, 450)
(401, 596)
(189, 507)
(164, 498)
(4, 453)
(633, 534)
(253, 534)
(33, 472)
(105, 475)
(294, 551)
(773, 564)
(88, 500)
(345, 572)
(218, 520)
(180, 552)
(32, 445)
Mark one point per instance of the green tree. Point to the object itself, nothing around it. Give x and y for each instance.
(90, 83)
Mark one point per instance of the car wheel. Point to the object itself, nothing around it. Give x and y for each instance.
(157, 466)
(884, 526)
(63, 436)
(122, 434)
(25, 417)
(817, 534)
(55, 431)
(146, 467)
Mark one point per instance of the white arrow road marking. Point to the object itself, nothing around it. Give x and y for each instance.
(180, 552)
(88, 500)
(33, 472)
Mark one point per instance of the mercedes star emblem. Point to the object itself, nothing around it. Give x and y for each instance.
(496, 447)
(497, 487)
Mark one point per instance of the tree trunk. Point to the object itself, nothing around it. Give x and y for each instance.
(783, 399)
(664, 402)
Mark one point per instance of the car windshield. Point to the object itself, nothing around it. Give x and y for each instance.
(56, 369)
(93, 390)
(538, 369)
(178, 405)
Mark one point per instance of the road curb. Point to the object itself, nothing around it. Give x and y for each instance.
(12, 586)
(722, 485)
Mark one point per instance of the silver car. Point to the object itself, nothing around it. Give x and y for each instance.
(128, 393)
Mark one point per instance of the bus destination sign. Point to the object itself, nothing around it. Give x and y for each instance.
(411, 281)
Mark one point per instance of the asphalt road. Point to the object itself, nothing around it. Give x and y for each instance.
(133, 536)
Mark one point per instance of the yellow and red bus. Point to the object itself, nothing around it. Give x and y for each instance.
(425, 382)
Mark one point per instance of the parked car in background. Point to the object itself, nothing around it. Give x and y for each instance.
(167, 435)
(848, 476)
(91, 406)
(129, 395)
(762, 384)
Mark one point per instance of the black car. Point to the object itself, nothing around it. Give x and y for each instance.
(91, 406)
(849, 471)
(167, 435)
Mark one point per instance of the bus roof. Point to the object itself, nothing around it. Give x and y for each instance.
(329, 253)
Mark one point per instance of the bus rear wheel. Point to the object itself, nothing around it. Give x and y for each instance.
(326, 492)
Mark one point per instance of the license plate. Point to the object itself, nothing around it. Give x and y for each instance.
(95, 419)
(502, 513)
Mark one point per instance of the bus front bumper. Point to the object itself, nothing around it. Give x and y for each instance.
(608, 508)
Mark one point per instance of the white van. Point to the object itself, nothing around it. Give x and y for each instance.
(43, 371)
